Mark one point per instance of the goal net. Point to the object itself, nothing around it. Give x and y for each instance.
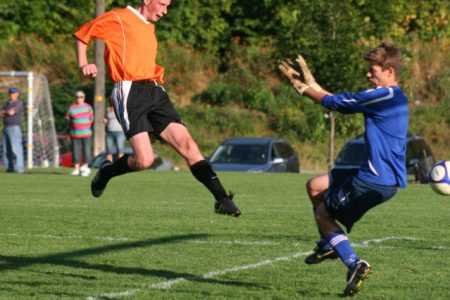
(38, 128)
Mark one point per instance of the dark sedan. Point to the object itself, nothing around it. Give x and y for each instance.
(255, 155)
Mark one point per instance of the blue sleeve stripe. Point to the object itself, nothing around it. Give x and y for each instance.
(389, 96)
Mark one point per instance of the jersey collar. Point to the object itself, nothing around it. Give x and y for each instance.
(133, 10)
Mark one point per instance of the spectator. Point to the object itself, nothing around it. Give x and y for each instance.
(12, 114)
(114, 134)
(80, 117)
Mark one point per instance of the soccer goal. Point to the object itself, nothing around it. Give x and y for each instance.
(40, 139)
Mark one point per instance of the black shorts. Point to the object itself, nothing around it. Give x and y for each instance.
(348, 198)
(143, 106)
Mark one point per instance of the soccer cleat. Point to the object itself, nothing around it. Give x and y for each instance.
(356, 277)
(99, 182)
(226, 206)
(320, 255)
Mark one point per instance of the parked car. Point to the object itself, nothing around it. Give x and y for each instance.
(159, 163)
(419, 158)
(255, 155)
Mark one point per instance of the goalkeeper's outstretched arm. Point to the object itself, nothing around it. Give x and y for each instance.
(315, 95)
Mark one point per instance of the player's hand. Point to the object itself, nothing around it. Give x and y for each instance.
(89, 70)
(307, 75)
(287, 68)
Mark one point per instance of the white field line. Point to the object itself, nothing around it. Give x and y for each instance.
(382, 240)
(226, 242)
(233, 242)
(65, 237)
(169, 283)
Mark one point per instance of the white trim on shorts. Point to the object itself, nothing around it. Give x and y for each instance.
(119, 98)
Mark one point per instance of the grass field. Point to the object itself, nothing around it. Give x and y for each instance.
(153, 235)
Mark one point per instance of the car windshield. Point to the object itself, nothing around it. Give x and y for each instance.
(240, 154)
(352, 154)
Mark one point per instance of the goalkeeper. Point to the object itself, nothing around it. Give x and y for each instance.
(346, 196)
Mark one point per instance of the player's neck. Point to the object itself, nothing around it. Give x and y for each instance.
(388, 83)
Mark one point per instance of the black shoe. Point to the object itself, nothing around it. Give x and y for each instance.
(226, 206)
(356, 277)
(320, 255)
(98, 184)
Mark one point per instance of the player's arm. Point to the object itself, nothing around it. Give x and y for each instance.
(315, 95)
(86, 68)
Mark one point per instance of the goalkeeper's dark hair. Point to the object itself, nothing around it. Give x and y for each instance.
(386, 55)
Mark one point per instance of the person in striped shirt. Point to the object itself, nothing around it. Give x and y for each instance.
(141, 103)
(345, 197)
(80, 117)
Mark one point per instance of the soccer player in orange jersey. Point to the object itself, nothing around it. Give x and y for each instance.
(141, 103)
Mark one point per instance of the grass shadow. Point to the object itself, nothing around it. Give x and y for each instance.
(68, 259)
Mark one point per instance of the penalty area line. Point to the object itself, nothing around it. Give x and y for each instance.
(169, 283)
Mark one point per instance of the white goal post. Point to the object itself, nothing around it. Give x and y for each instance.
(41, 140)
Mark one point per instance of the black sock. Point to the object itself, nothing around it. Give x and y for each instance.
(119, 167)
(203, 172)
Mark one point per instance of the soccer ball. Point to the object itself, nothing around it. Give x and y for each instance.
(439, 178)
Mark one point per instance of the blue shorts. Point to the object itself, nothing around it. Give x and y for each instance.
(348, 198)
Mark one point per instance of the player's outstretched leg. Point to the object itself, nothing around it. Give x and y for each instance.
(356, 276)
(100, 180)
(203, 172)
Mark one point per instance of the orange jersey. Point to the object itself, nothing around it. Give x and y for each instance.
(130, 44)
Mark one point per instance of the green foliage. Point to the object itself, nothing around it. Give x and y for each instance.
(47, 19)
(242, 83)
(298, 117)
(188, 74)
(428, 72)
(200, 24)
(227, 122)
(225, 53)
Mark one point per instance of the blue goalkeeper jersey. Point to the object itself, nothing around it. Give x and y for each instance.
(385, 112)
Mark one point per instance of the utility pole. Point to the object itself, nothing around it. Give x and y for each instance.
(99, 92)
(331, 144)
(331, 114)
